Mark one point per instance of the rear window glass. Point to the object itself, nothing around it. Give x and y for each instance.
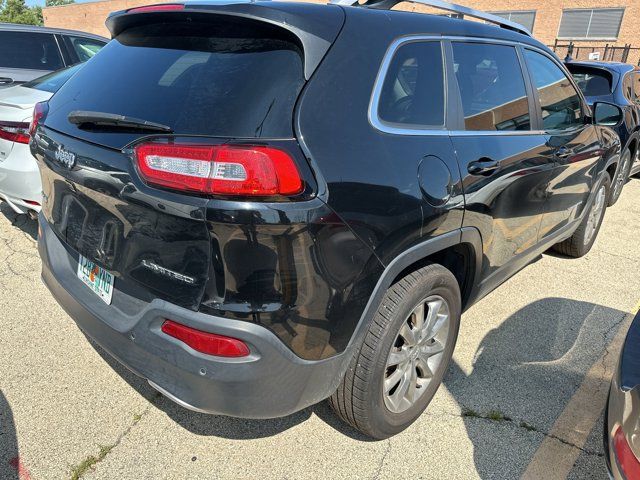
(51, 82)
(29, 50)
(236, 78)
(592, 81)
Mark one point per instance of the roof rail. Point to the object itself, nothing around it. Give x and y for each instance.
(442, 5)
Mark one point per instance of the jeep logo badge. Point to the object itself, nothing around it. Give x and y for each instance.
(66, 158)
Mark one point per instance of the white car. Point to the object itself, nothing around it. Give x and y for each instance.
(20, 183)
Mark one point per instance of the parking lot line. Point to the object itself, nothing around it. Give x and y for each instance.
(561, 447)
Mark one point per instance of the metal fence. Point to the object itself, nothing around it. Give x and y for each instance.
(603, 53)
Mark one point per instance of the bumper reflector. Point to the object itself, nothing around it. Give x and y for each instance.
(205, 342)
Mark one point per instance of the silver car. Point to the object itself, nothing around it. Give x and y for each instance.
(28, 52)
(19, 176)
(622, 417)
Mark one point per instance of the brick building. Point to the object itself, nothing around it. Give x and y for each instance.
(598, 27)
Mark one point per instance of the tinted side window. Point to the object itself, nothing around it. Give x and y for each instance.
(35, 51)
(413, 89)
(491, 86)
(84, 48)
(559, 100)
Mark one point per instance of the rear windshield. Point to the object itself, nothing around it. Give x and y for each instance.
(231, 78)
(593, 82)
(51, 82)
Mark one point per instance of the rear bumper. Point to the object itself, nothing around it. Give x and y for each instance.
(271, 382)
(20, 180)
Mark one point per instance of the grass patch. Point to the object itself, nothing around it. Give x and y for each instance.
(87, 464)
(497, 416)
(137, 417)
(494, 415)
(468, 412)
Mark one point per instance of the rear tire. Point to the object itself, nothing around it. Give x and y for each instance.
(635, 163)
(404, 356)
(579, 244)
(622, 175)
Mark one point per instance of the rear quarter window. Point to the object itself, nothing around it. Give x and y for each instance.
(83, 47)
(229, 79)
(412, 94)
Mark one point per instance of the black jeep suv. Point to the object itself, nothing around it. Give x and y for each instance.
(257, 206)
(617, 83)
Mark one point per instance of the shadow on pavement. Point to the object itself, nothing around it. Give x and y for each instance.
(9, 459)
(220, 425)
(526, 370)
(23, 222)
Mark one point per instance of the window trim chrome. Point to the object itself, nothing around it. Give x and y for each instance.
(430, 130)
(374, 102)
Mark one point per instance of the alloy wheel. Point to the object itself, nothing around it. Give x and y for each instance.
(416, 353)
(621, 176)
(597, 210)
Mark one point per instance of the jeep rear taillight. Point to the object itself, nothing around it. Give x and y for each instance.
(236, 170)
(14, 131)
(39, 112)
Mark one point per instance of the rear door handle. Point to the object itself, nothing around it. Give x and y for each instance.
(5, 80)
(483, 166)
(563, 152)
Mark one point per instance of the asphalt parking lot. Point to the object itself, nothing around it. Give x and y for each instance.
(524, 395)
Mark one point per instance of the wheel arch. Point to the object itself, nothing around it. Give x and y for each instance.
(464, 243)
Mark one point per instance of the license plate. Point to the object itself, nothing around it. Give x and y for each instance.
(96, 278)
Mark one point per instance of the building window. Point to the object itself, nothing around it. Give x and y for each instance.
(590, 24)
(524, 18)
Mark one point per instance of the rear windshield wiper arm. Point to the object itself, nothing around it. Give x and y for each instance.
(112, 120)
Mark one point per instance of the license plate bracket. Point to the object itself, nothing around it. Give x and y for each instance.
(96, 278)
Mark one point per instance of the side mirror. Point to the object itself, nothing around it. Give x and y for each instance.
(606, 114)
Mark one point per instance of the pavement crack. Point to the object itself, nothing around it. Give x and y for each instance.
(90, 462)
(376, 476)
(635, 260)
(613, 328)
(586, 451)
(495, 416)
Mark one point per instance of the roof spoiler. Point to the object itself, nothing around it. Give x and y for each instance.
(442, 5)
(315, 37)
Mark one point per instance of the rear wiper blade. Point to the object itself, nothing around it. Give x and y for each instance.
(112, 120)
